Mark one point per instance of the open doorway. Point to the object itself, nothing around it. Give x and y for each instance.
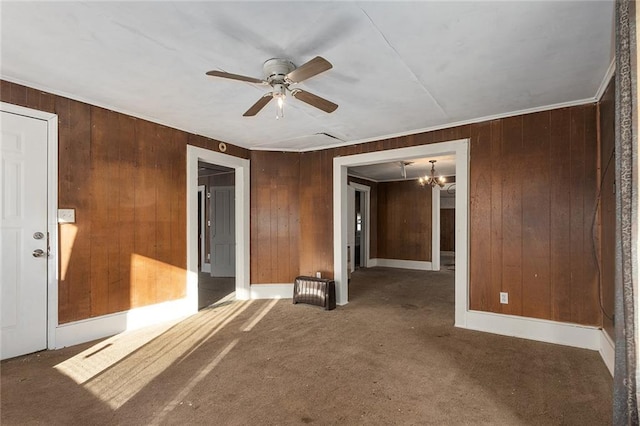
(238, 250)
(216, 233)
(459, 149)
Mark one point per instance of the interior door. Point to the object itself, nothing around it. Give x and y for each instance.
(223, 232)
(23, 225)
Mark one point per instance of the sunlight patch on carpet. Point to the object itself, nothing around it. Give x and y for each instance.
(116, 369)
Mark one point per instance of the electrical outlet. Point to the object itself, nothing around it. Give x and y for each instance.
(504, 298)
(318, 274)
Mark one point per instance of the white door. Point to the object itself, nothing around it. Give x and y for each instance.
(223, 232)
(23, 225)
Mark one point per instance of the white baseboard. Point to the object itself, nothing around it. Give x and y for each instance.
(107, 325)
(206, 267)
(403, 264)
(575, 335)
(607, 351)
(271, 291)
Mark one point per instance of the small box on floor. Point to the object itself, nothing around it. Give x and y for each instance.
(315, 291)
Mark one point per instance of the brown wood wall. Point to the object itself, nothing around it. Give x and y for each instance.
(316, 199)
(448, 229)
(404, 221)
(275, 221)
(533, 189)
(607, 206)
(125, 177)
(316, 213)
(532, 195)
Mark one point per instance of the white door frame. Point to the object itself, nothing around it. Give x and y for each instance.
(242, 185)
(460, 148)
(435, 228)
(366, 214)
(52, 211)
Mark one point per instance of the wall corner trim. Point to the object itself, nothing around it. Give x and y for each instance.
(568, 334)
(607, 351)
(605, 80)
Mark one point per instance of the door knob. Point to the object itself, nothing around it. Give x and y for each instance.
(38, 253)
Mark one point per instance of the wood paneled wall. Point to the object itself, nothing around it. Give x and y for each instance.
(404, 221)
(448, 229)
(316, 213)
(607, 206)
(275, 221)
(532, 196)
(316, 194)
(533, 192)
(125, 177)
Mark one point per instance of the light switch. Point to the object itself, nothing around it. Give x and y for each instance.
(66, 216)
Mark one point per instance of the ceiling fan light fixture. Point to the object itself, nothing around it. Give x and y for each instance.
(280, 74)
(279, 94)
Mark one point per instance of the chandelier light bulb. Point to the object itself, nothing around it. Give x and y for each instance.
(432, 180)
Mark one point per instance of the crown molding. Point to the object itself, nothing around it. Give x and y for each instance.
(329, 146)
(457, 124)
(605, 81)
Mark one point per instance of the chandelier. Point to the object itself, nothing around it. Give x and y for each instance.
(432, 180)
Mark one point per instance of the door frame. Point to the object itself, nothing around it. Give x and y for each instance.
(52, 210)
(460, 148)
(435, 228)
(242, 185)
(365, 192)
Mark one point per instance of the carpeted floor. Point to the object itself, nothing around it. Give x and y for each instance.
(212, 289)
(391, 356)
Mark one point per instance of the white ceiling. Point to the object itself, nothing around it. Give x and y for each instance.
(399, 67)
(417, 167)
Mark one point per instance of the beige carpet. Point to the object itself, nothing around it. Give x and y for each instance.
(212, 289)
(391, 356)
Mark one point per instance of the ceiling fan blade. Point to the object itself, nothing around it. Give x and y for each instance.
(262, 102)
(235, 77)
(314, 100)
(309, 69)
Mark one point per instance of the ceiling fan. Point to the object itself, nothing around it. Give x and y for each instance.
(281, 74)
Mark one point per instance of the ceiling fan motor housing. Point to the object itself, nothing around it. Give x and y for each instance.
(276, 69)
